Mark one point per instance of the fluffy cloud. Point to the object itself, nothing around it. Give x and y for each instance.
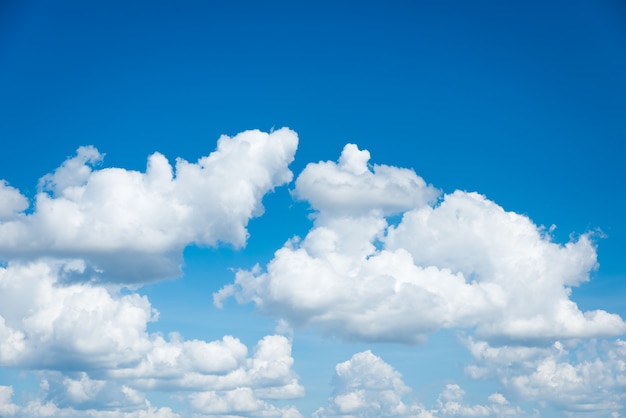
(350, 187)
(528, 274)
(450, 404)
(239, 402)
(217, 366)
(580, 379)
(464, 262)
(366, 386)
(7, 407)
(44, 324)
(41, 408)
(98, 354)
(134, 225)
(11, 201)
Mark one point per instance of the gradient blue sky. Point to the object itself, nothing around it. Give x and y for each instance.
(523, 102)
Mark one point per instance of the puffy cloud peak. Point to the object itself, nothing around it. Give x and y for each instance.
(74, 172)
(366, 386)
(352, 188)
(12, 202)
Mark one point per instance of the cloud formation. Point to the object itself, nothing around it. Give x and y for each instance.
(132, 226)
(42, 408)
(367, 386)
(460, 262)
(388, 259)
(578, 378)
(351, 187)
(11, 201)
(96, 350)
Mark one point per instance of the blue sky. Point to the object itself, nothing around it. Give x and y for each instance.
(463, 257)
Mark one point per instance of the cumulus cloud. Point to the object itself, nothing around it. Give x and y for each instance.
(238, 402)
(461, 262)
(133, 226)
(578, 378)
(47, 325)
(350, 187)
(43, 408)
(12, 202)
(367, 386)
(450, 403)
(217, 366)
(506, 252)
(98, 355)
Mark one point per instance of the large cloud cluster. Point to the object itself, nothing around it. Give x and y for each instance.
(389, 258)
(60, 313)
(460, 262)
(133, 226)
(455, 261)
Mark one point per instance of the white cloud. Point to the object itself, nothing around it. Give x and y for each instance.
(580, 379)
(450, 404)
(351, 188)
(237, 402)
(12, 202)
(77, 390)
(7, 407)
(506, 252)
(464, 262)
(366, 386)
(44, 324)
(99, 356)
(135, 225)
(217, 366)
(41, 408)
